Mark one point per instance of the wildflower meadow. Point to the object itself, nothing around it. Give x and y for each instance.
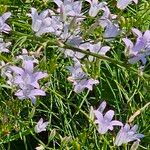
(74, 74)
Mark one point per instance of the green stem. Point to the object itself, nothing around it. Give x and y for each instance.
(103, 57)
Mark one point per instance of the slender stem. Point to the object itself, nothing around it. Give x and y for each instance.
(67, 46)
(103, 57)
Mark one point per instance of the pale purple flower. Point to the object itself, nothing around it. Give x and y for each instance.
(56, 24)
(105, 122)
(6, 72)
(127, 134)
(111, 31)
(106, 18)
(41, 126)
(122, 4)
(74, 41)
(27, 80)
(3, 26)
(95, 7)
(69, 8)
(98, 49)
(41, 23)
(27, 75)
(80, 79)
(4, 46)
(30, 92)
(141, 49)
(109, 23)
(25, 57)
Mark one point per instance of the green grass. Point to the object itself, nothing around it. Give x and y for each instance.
(70, 124)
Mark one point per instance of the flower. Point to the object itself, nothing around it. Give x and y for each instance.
(40, 147)
(4, 46)
(127, 134)
(74, 41)
(27, 80)
(109, 23)
(98, 49)
(122, 4)
(26, 75)
(105, 122)
(141, 49)
(29, 92)
(111, 31)
(80, 79)
(41, 126)
(41, 23)
(69, 8)
(95, 7)
(3, 26)
(25, 57)
(6, 72)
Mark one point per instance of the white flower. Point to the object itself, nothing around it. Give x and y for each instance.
(40, 147)
(41, 126)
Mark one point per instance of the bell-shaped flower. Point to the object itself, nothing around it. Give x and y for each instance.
(95, 7)
(6, 72)
(111, 31)
(69, 8)
(29, 92)
(41, 23)
(122, 4)
(128, 134)
(98, 49)
(74, 41)
(108, 21)
(4, 46)
(3, 26)
(40, 126)
(26, 75)
(141, 49)
(27, 80)
(80, 79)
(105, 122)
(26, 57)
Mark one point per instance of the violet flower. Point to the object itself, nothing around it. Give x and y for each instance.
(3, 26)
(127, 134)
(6, 72)
(26, 75)
(4, 46)
(95, 7)
(122, 4)
(30, 92)
(141, 49)
(109, 23)
(105, 122)
(80, 79)
(75, 41)
(41, 126)
(69, 8)
(98, 49)
(111, 31)
(27, 80)
(25, 57)
(41, 23)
